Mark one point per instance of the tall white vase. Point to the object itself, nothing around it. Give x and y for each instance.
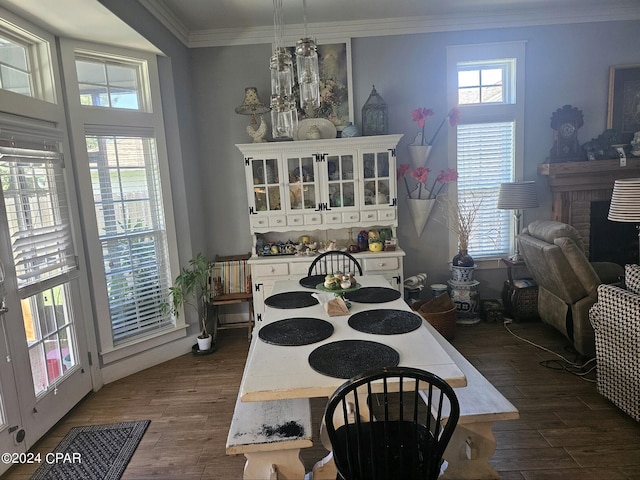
(419, 155)
(420, 209)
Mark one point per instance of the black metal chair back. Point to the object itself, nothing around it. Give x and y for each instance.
(391, 424)
(334, 261)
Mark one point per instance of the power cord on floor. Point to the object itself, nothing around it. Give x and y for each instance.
(563, 363)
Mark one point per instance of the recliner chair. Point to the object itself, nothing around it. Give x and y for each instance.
(567, 281)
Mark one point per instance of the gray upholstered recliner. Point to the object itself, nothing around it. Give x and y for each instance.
(568, 282)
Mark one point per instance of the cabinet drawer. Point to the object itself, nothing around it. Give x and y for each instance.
(298, 268)
(333, 217)
(312, 219)
(268, 269)
(349, 217)
(384, 263)
(371, 215)
(258, 221)
(387, 214)
(295, 220)
(277, 221)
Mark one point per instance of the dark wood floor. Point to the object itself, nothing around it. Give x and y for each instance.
(566, 429)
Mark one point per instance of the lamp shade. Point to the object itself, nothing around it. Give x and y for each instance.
(251, 105)
(625, 201)
(517, 196)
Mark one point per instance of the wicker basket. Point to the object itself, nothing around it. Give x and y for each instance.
(440, 312)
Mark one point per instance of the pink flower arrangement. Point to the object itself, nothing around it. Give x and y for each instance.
(421, 115)
(421, 174)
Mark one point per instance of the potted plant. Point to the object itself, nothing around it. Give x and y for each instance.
(192, 288)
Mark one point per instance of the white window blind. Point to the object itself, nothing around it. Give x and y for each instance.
(38, 216)
(131, 230)
(485, 160)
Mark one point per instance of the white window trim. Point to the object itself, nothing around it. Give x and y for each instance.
(40, 45)
(471, 114)
(123, 121)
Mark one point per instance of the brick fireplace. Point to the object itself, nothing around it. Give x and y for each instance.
(574, 185)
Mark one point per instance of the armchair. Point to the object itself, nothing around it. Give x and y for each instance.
(616, 321)
(567, 281)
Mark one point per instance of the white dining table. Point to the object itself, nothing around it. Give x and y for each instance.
(274, 372)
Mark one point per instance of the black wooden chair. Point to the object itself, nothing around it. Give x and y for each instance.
(334, 261)
(402, 430)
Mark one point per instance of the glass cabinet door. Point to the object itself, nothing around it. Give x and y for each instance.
(302, 186)
(377, 180)
(341, 182)
(266, 185)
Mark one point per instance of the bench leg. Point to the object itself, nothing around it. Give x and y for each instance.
(469, 451)
(274, 465)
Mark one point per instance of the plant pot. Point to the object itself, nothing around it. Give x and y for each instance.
(204, 343)
(419, 155)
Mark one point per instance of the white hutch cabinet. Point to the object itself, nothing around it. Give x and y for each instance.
(323, 187)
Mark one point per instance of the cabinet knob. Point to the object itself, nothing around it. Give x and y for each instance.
(381, 264)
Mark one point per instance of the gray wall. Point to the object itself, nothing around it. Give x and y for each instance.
(566, 64)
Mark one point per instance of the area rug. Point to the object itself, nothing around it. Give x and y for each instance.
(96, 452)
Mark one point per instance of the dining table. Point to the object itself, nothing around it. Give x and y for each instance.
(276, 371)
(299, 351)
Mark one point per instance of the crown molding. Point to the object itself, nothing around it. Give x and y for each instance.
(336, 31)
(166, 16)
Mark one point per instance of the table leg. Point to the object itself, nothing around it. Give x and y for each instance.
(274, 465)
(469, 451)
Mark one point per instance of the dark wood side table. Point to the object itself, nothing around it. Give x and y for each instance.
(519, 296)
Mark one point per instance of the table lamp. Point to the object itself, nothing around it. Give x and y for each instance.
(252, 105)
(625, 203)
(517, 196)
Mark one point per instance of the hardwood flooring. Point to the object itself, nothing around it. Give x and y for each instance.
(566, 429)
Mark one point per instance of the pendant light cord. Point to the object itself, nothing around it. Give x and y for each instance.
(304, 17)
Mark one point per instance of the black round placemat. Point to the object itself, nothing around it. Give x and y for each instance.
(312, 281)
(347, 358)
(373, 295)
(291, 300)
(296, 331)
(385, 321)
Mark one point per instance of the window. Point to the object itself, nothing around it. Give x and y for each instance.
(488, 88)
(127, 197)
(36, 206)
(105, 83)
(15, 70)
(122, 165)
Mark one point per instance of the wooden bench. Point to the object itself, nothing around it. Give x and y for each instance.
(270, 435)
(481, 404)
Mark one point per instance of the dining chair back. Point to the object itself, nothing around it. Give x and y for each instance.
(334, 261)
(390, 424)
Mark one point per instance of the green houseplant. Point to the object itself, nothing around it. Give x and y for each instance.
(192, 288)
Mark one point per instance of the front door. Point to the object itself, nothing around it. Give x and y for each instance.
(44, 365)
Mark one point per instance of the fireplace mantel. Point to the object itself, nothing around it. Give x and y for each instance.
(574, 185)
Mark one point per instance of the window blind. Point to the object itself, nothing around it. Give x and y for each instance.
(485, 160)
(131, 229)
(38, 215)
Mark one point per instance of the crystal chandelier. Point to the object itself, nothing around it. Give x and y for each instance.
(308, 71)
(284, 117)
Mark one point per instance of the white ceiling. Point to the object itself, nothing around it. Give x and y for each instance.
(199, 23)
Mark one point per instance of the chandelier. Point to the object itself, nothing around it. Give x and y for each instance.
(284, 115)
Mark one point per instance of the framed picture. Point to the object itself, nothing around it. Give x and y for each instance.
(624, 101)
(336, 99)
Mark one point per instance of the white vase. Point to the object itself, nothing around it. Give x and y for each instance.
(419, 155)
(204, 343)
(420, 209)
